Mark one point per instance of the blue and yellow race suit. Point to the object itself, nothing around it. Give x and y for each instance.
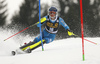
(51, 28)
(48, 33)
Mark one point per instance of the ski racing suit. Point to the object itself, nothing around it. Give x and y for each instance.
(48, 33)
(51, 28)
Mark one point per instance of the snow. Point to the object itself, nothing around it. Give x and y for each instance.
(64, 51)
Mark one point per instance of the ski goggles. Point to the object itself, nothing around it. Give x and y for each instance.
(52, 12)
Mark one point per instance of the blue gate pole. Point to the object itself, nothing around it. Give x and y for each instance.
(40, 23)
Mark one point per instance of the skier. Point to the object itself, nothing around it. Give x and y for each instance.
(52, 21)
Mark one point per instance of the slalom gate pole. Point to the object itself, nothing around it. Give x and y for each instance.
(40, 23)
(82, 31)
(20, 31)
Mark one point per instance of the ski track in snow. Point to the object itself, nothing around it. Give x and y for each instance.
(65, 51)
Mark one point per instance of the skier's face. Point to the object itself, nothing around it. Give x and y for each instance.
(52, 13)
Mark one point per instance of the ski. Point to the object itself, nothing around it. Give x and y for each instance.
(19, 51)
(13, 53)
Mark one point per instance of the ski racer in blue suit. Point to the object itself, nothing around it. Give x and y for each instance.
(52, 21)
(51, 28)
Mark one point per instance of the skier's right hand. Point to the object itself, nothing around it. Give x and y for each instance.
(39, 25)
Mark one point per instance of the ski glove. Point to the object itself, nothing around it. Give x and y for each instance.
(70, 33)
(39, 25)
(42, 21)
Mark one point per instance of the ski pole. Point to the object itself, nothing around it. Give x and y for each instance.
(81, 37)
(21, 31)
(89, 41)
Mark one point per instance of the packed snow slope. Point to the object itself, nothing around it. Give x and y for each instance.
(64, 51)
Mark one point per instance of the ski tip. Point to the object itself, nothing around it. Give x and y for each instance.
(13, 53)
(4, 40)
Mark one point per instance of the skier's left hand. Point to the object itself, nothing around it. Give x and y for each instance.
(70, 33)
